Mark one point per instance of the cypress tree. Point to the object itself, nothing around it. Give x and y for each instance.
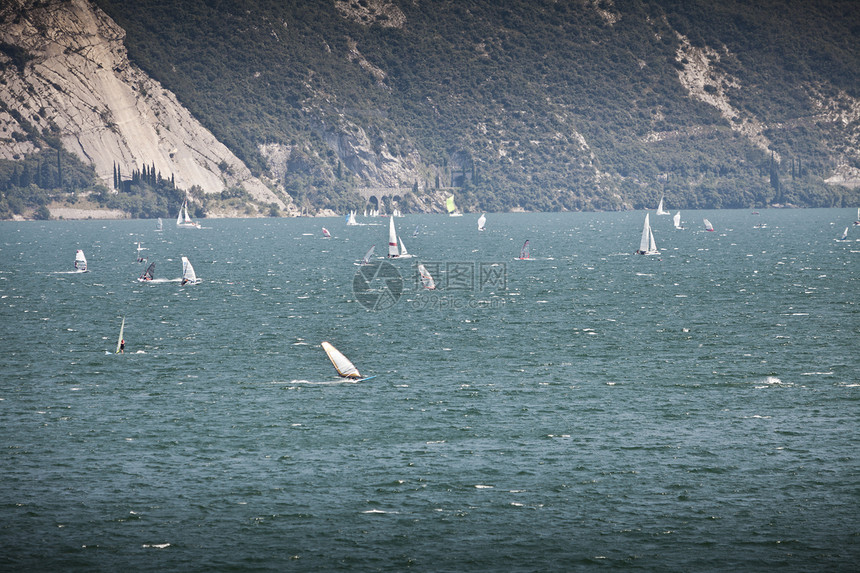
(59, 171)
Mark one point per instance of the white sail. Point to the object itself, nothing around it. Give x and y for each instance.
(647, 244)
(351, 221)
(708, 225)
(345, 368)
(660, 210)
(119, 340)
(482, 220)
(179, 217)
(844, 236)
(80, 261)
(426, 280)
(677, 220)
(392, 239)
(188, 274)
(403, 253)
(160, 225)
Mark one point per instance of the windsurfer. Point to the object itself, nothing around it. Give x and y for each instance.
(122, 346)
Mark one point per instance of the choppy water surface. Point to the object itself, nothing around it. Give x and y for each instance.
(589, 409)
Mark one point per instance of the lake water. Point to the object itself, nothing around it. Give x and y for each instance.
(586, 410)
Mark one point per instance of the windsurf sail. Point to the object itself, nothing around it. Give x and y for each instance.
(326, 234)
(119, 340)
(449, 204)
(525, 252)
(708, 225)
(677, 220)
(392, 239)
(160, 225)
(660, 209)
(844, 236)
(366, 259)
(345, 368)
(415, 232)
(426, 280)
(188, 274)
(80, 261)
(482, 221)
(147, 275)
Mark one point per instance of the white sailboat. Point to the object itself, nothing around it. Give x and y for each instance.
(366, 259)
(647, 244)
(677, 220)
(120, 343)
(393, 252)
(188, 274)
(482, 222)
(342, 364)
(183, 221)
(708, 225)
(160, 225)
(660, 209)
(857, 222)
(351, 220)
(80, 261)
(426, 280)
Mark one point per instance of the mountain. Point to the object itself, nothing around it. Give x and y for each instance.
(68, 85)
(535, 105)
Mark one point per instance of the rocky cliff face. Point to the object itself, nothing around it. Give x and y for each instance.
(74, 80)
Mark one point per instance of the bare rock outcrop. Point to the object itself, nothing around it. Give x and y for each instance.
(76, 82)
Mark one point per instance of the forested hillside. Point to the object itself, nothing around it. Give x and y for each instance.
(533, 104)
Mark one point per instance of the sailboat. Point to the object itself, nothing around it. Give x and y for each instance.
(147, 275)
(345, 368)
(351, 219)
(525, 252)
(857, 222)
(482, 221)
(403, 253)
(188, 274)
(326, 234)
(426, 280)
(708, 225)
(677, 221)
(647, 245)
(160, 225)
(660, 210)
(452, 208)
(366, 259)
(120, 343)
(844, 236)
(183, 221)
(393, 252)
(80, 261)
